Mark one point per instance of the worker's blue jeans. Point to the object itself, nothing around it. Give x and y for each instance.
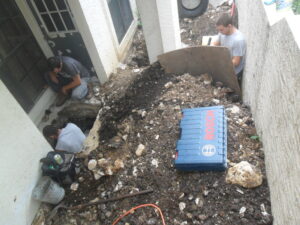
(78, 92)
(81, 91)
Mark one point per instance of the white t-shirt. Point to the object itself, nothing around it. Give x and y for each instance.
(70, 139)
(236, 44)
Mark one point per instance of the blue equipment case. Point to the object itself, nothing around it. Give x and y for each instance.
(203, 140)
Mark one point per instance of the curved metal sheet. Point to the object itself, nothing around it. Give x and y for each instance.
(213, 60)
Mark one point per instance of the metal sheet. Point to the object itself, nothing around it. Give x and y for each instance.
(213, 60)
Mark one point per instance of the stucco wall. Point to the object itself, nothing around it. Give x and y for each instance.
(22, 145)
(160, 24)
(97, 30)
(151, 28)
(271, 87)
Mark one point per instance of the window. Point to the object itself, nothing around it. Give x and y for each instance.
(121, 16)
(54, 15)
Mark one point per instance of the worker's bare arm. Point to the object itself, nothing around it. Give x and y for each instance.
(215, 43)
(236, 60)
(53, 77)
(76, 82)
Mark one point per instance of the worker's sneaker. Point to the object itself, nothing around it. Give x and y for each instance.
(61, 99)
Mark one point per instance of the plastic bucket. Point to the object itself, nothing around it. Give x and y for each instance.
(48, 191)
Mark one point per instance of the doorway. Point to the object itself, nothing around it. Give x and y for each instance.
(59, 29)
(22, 63)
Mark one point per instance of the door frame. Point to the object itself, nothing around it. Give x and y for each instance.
(48, 97)
(35, 28)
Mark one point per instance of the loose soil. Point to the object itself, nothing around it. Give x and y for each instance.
(144, 107)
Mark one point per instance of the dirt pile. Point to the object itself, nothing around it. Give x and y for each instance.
(145, 117)
(139, 118)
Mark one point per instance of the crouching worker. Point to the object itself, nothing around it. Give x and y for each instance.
(68, 139)
(61, 164)
(67, 76)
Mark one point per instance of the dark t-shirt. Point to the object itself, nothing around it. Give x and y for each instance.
(71, 67)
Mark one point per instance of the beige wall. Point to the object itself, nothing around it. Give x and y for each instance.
(271, 87)
(22, 146)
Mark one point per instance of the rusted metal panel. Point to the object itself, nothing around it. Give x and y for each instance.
(213, 60)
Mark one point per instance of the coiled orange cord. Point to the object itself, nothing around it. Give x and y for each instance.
(137, 207)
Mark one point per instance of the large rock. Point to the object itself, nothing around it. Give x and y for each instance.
(244, 174)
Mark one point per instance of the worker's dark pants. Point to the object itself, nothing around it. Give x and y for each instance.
(239, 77)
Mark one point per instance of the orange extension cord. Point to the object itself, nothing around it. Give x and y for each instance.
(140, 206)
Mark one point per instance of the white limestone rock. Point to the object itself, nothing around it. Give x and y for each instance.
(92, 164)
(119, 164)
(74, 186)
(245, 175)
(182, 206)
(140, 150)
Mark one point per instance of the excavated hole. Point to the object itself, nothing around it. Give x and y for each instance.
(152, 79)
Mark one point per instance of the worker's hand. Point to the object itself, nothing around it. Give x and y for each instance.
(215, 43)
(236, 60)
(64, 90)
(53, 77)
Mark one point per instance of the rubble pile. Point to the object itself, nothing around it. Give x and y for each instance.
(138, 134)
(138, 128)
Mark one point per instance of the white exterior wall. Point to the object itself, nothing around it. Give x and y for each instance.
(160, 26)
(96, 34)
(271, 87)
(38, 111)
(169, 24)
(95, 25)
(22, 146)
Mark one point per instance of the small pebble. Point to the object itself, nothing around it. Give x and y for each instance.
(182, 206)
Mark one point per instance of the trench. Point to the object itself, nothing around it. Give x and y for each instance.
(147, 92)
(142, 94)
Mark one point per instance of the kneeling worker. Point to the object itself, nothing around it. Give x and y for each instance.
(68, 139)
(229, 36)
(68, 76)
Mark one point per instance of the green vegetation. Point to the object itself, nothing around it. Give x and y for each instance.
(255, 137)
(296, 7)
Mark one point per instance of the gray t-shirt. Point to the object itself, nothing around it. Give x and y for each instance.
(71, 67)
(237, 46)
(70, 139)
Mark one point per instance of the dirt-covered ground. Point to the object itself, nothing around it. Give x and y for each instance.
(140, 115)
(192, 30)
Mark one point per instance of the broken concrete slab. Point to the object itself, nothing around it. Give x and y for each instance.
(198, 60)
